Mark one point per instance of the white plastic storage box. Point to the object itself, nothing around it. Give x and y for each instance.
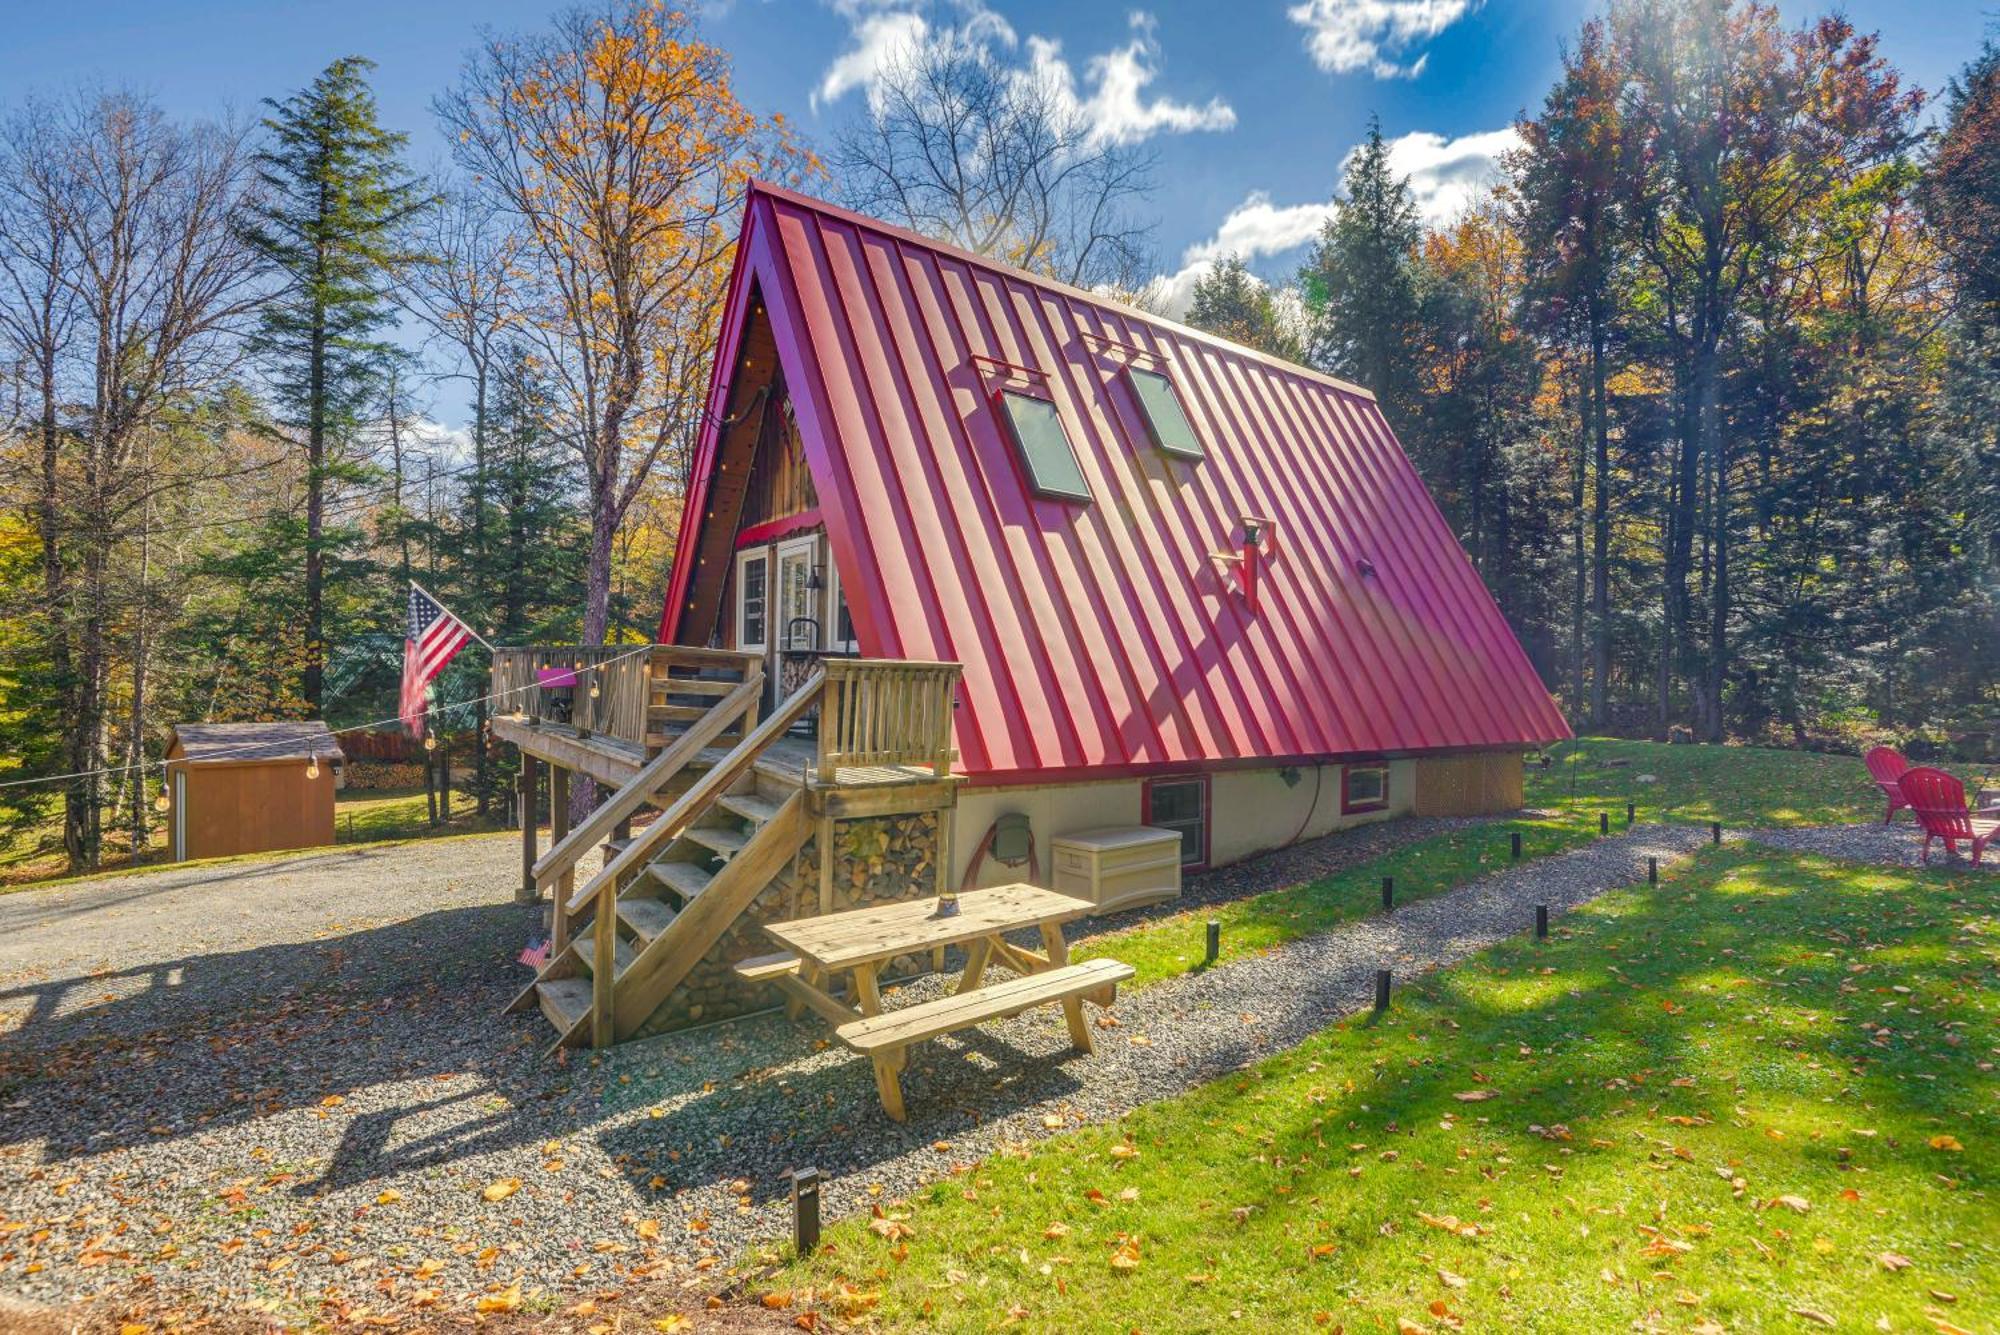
(1118, 867)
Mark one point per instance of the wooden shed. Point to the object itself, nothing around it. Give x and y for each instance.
(250, 787)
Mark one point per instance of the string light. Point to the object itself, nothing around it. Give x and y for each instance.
(312, 767)
(430, 741)
(256, 748)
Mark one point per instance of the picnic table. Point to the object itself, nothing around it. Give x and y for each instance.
(861, 942)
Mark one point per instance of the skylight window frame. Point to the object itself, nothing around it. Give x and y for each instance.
(1036, 483)
(1153, 433)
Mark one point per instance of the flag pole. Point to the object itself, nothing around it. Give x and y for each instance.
(453, 615)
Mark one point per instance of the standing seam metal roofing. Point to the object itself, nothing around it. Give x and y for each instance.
(1103, 636)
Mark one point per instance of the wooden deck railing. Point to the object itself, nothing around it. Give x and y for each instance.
(886, 712)
(613, 683)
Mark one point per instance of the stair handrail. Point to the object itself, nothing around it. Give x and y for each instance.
(690, 804)
(603, 887)
(652, 777)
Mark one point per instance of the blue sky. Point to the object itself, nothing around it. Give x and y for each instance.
(1250, 104)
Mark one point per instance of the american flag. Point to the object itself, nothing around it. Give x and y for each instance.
(434, 636)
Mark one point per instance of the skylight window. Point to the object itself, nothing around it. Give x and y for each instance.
(1166, 421)
(1046, 453)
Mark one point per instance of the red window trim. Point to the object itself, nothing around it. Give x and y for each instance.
(772, 530)
(1350, 807)
(1207, 813)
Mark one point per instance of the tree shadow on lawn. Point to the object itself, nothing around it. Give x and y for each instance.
(1623, 1018)
(1579, 1077)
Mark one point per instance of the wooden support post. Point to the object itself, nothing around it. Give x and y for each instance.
(526, 894)
(565, 885)
(825, 865)
(604, 967)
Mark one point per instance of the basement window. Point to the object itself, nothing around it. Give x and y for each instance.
(1046, 453)
(1363, 788)
(1180, 805)
(1166, 420)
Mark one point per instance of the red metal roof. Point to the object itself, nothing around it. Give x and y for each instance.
(1104, 637)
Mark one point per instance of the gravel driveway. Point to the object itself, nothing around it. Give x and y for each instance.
(277, 1081)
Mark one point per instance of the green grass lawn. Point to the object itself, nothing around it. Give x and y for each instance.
(1760, 1097)
(1737, 785)
(1172, 945)
(365, 817)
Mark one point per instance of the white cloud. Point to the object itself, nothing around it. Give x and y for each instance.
(1110, 96)
(1116, 109)
(879, 40)
(1348, 35)
(1446, 175)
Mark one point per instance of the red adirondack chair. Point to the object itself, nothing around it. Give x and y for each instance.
(1886, 766)
(1939, 802)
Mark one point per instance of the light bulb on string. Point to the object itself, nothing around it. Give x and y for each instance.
(160, 803)
(430, 741)
(312, 767)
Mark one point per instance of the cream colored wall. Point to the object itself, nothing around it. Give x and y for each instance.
(1250, 811)
(1253, 810)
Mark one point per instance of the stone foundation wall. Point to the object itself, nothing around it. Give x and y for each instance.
(877, 860)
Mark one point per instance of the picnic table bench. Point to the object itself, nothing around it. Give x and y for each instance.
(861, 942)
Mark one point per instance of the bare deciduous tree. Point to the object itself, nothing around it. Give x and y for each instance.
(999, 160)
(126, 223)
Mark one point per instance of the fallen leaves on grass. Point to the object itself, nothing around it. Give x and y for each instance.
(1893, 1261)
(1476, 1095)
(1948, 1143)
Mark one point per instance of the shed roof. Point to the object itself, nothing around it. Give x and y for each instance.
(252, 743)
(1103, 636)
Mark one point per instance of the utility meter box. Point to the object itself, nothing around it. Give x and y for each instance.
(1118, 867)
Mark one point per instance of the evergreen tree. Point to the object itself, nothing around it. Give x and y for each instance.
(1963, 198)
(1230, 301)
(1360, 282)
(337, 198)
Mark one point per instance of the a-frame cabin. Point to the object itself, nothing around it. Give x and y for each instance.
(1023, 553)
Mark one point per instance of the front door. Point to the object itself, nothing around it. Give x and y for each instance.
(797, 632)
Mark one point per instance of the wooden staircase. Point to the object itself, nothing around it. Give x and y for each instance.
(669, 892)
(732, 814)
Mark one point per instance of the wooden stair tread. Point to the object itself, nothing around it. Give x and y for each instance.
(995, 1001)
(564, 1000)
(749, 806)
(621, 953)
(722, 839)
(763, 968)
(646, 917)
(683, 878)
(715, 687)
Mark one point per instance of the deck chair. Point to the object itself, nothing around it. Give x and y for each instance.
(1886, 766)
(1938, 800)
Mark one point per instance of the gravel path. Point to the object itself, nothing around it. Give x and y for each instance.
(331, 1110)
(1897, 845)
